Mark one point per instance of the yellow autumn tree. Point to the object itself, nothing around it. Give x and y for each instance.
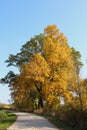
(20, 92)
(37, 71)
(48, 71)
(58, 55)
(80, 103)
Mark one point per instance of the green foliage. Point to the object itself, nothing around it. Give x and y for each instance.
(76, 56)
(3, 116)
(7, 122)
(33, 46)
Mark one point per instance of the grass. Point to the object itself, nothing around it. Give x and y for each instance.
(61, 124)
(5, 123)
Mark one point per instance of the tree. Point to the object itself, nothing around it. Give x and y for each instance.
(75, 85)
(26, 52)
(46, 66)
(58, 55)
(37, 71)
(9, 78)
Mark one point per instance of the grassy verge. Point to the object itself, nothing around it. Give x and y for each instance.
(61, 124)
(5, 123)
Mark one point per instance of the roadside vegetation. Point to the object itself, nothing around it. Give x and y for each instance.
(6, 119)
(64, 120)
(61, 124)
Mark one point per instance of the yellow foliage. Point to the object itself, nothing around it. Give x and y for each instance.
(37, 69)
(50, 72)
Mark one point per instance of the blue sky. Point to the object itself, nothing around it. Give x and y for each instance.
(22, 19)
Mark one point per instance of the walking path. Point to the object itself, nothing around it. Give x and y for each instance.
(28, 121)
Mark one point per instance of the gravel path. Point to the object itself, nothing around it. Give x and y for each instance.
(28, 121)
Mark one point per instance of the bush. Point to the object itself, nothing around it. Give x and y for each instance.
(3, 116)
(77, 118)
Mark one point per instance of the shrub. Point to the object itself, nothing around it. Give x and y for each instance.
(3, 116)
(77, 118)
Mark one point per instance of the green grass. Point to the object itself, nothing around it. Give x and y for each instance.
(8, 121)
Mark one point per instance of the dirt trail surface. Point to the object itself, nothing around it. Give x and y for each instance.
(28, 121)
